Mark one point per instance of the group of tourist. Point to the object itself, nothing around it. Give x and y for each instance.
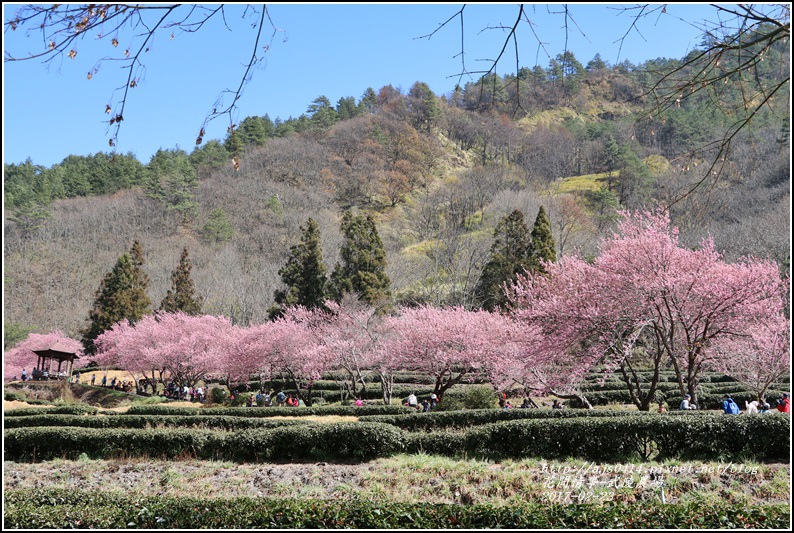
(174, 391)
(427, 404)
(269, 398)
(39, 374)
(730, 407)
(782, 405)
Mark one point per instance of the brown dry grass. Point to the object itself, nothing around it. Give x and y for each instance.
(14, 404)
(121, 375)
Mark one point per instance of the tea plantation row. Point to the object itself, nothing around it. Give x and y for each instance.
(77, 509)
(606, 438)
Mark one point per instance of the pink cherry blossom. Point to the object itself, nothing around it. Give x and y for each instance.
(22, 356)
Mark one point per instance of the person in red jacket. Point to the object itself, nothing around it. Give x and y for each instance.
(784, 404)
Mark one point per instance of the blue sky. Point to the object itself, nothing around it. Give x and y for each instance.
(336, 50)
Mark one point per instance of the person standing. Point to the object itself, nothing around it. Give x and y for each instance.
(24, 375)
(433, 401)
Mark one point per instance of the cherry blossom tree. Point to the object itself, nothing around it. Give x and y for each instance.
(290, 346)
(351, 333)
(447, 343)
(187, 348)
(22, 356)
(644, 287)
(759, 358)
(693, 299)
(244, 355)
(124, 346)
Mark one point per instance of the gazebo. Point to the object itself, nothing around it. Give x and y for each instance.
(57, 352)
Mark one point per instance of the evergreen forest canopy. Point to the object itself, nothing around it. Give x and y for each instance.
(436, 174)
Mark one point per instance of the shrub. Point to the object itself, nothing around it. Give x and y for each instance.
(604, 438)
(349, 441)
(72, 409)
(218, 395)
(78, 509)
(472, 397)
(331, 410)
(226, 423)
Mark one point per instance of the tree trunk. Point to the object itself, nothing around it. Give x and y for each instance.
(574, 396)
(386, 388)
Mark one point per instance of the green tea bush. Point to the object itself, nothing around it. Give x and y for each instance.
(350, 441)
(49, 508)
(436, 420)
(225, 423)
(706, 437)
(449, 443)
(471, 397)
(218, 395)
(45, 443)
(640, 436)
(74, 409)
(330, 410)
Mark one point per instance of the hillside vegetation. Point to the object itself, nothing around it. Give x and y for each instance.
(436, 172)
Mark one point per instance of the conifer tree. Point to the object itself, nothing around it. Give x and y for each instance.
(121, 294)
(173, 181)
(510, 255)
(362, 270)
(303, 274)
(543, 245)
(182, 294)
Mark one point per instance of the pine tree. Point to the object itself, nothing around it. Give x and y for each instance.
(303, 274)
(363, 267)
(218, 227)
(172, 180)
(182, 295)
(543, 245)
(121, 295)
(510, 255)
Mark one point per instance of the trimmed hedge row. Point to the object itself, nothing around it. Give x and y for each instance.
(621, 386)
(225, 423)
(344, 441)
(705, 401)
(665, 376)
(331, 410)
(610, 438)
(670, 390)
(76, 409)
(475, 417)
(710, 437)
(76, 509)
(373, 393)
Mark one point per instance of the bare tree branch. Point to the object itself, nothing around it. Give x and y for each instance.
(62, 26)
(734, 49)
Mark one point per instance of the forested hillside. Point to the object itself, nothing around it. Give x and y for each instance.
(437, 173)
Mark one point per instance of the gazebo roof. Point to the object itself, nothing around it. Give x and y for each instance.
(58, 351)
